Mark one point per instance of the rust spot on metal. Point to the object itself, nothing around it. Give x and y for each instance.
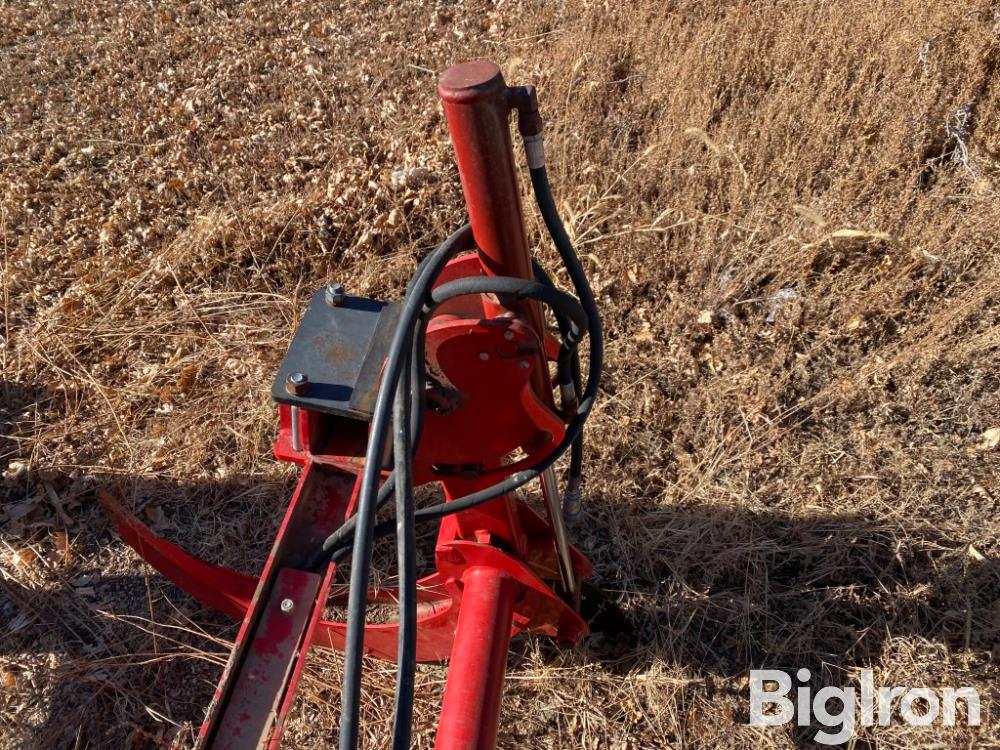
(336, 349)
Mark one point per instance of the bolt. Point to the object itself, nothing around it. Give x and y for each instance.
(524, 364)
(335, 295)
(484, 356)
(287, 605)
(508, 334)
(297, 383)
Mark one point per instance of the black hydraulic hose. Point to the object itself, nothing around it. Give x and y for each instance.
(364, 529)
(418, 364)
(407, 428)
(418, 376)
(436, 512)
(401, 393)
(581, 285)
(572, 375)
(565, 305)
(578, 276)
(575, 472)
(574, 431)
(519, 289)
(522, 289)
(342, 538)
(406, 561)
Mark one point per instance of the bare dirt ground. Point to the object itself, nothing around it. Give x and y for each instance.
(789, 209)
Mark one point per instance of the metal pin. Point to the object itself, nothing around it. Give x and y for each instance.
(550, 492)
(295, 430)
(287, 605)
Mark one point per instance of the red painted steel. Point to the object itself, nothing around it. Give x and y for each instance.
(538, 609)
(259, 673)
(231, 592)
(495, 563)
(298, 667)
(471, 705)
(476, 105)
(220, 588)
(258, 685)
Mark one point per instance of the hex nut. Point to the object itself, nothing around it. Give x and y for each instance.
(297, 384)
(335, 295)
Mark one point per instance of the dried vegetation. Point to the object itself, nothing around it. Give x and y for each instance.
(790, 211)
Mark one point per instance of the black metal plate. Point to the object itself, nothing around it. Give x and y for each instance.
(341, 351)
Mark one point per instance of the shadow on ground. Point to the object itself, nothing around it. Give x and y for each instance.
(721, 591)
(716, 590)
(728, 590)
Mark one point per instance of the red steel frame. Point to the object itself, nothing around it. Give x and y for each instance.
(477, 107)
(494, 563)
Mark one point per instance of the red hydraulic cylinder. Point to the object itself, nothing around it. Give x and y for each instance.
(477, 105)
(471, 707)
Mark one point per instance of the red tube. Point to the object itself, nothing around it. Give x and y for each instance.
(477, 106)
(471, 707)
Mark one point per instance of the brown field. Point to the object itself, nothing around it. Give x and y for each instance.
(794, 461)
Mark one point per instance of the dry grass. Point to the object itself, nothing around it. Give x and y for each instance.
(789, 461)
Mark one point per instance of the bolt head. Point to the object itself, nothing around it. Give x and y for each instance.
(287, 605)
(524, 364)
(335, 295)
(508, 334)
(484, 356)
(297, 383)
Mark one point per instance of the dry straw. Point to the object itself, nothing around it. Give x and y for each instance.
(794, 238)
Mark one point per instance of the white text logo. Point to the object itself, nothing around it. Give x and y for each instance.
(771, 705)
